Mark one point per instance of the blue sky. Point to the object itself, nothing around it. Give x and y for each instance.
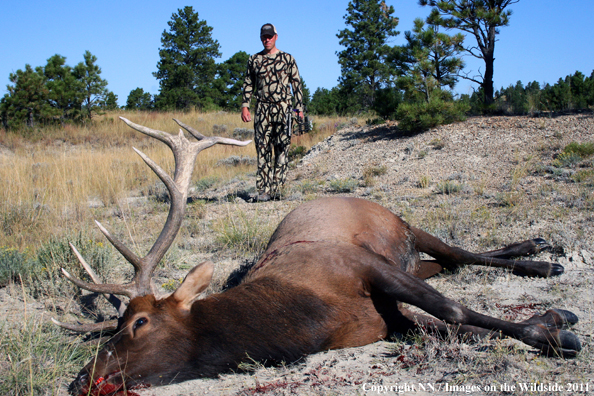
(546, 39)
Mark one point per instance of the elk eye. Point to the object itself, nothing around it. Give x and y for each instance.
(139, 322)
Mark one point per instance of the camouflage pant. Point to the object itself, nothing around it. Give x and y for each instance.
(271, 138)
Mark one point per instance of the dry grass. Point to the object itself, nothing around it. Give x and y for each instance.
(48, 182)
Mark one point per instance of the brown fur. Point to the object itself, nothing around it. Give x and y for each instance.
(333, 276)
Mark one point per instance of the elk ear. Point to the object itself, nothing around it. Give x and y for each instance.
(195, 282)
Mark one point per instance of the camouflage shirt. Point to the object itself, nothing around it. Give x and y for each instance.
(271, 77)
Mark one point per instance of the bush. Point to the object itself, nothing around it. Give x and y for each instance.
(46, 278)
(343, 185)
(12, 264)
(573, 153)
(418, 117)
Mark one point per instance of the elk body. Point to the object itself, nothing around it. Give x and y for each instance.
(334, 275)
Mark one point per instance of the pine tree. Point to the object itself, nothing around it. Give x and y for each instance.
(65, 90)
(93, 87)
(27, 99)
(430, 60)
(229, 81)
(187, 65)
(364, 69)
(111, 101)
(139, 100)
(481, 19)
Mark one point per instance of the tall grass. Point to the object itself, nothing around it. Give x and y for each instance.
(52, 175)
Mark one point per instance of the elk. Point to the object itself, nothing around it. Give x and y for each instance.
(334, 275)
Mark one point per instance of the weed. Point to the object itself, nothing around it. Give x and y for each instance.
(171, 285)
(567, 160)
(573, 153)
(243, 232)
(424, 181)
(448, 187)
(437, 143)
(343, 185)
(584, 150)
(12, 264)
(206, 182)
(584, 176)
(309, 186)
(370, 172)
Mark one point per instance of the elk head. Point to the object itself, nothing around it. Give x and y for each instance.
(149, 335)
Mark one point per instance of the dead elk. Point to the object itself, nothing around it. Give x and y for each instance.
(334, 275)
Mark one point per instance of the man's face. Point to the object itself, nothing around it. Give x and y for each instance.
(268, 41)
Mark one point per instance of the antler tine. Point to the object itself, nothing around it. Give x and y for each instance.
(111, 298)
(188, 128)
(184, 153)
(107, 325)
(215, 139)
(124, 290)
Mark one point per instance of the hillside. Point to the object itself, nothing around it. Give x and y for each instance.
(479, 185)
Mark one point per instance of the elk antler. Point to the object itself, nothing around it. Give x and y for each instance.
(184, 153)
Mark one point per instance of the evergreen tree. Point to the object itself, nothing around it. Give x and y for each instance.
(481, 19)
(65, 90)
(324, 101)
(364, 69)
(187, 67)
(93, 87)
(429, 61)
(229, 81)
(27, 99)
(111, 101)
(139, 100)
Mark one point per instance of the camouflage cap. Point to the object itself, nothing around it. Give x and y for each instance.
(267, 29)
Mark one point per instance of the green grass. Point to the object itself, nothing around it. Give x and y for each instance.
(37, 359)
(243, 232)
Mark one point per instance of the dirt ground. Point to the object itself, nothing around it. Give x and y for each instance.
(479, 185)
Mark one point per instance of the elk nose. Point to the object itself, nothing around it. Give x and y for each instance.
(80, 385)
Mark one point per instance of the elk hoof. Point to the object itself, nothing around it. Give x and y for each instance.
(556, 270)
(562, 318)
(554, 319)
(569, 344)
(540, 245)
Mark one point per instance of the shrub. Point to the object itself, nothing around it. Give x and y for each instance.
(418, 117)
(296, 152)
(573, 153)
(448, 187)
(12, 264)
(46, 278)
(343, 185)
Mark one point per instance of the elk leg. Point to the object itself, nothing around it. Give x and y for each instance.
(558, 319)
(432, 324)
(404, 287)
(451, 257)
(525, 248)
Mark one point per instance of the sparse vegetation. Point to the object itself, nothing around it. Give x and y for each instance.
(245, 233)
(343, 185)
(49, 191)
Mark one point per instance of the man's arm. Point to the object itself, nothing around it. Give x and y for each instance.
(248, 89)
(295, 80)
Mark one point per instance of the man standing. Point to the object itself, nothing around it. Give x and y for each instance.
(270, 76)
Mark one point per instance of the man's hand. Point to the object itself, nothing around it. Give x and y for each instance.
(245, 114)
